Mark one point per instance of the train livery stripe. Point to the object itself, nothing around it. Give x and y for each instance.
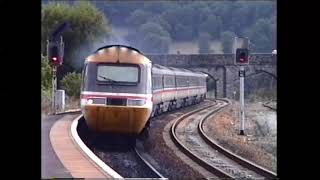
(90, 94)
(177, 89)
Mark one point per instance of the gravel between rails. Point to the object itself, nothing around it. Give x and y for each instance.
(188, 134)
(119, 156)
(163, 154)
(259, 146)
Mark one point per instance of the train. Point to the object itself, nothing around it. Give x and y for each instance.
(121, 90)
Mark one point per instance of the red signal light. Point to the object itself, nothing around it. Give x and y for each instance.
(242, 56)
(54, 58)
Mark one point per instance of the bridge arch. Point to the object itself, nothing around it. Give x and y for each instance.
(211, 83)
(217, 79)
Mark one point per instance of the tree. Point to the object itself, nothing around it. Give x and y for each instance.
(88, 25)
(212, 25)
(150, 38)
(203, 43)
(163, 23)
(138, 17)
(227, 39)
(46, 73)
(262, 36)
(71, 83)
(183, 32)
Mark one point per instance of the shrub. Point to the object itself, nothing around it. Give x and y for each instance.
(71, 83)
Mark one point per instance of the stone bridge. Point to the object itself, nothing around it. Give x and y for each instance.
(223, 72)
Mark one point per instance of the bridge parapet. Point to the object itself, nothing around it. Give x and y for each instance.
(204, 60)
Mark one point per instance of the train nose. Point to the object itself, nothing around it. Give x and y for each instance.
(117, 119)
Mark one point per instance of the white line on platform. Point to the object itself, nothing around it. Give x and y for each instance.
(89, 153)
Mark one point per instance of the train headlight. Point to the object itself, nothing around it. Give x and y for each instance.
(135, 102)
(89, 101)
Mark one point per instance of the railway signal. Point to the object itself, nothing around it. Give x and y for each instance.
(242, 56)
(55, 52)
(241, 59)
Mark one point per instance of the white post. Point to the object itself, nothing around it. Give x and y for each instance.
(54, 87)
(242, 74)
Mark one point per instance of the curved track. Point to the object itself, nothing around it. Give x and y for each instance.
(187, 134)
(140, 154)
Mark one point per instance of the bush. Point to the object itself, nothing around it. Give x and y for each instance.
(71, 83)
(46, 73)
(46, 96)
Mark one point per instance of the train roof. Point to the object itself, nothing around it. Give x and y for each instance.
(118, 45)
(118, 54)
(158, 69)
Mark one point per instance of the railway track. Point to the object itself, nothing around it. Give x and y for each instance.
(128, 161)
(143, 158)
(188, 135)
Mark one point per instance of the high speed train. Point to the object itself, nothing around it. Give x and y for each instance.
(121, 90)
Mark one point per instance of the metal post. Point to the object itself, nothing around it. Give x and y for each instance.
(242, 99)
(54, 87)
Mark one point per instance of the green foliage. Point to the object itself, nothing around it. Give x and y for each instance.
(163, 23)
(262, 36)
(71, 83)
(46, 73)
(46, 83)
(138, 17)
(227, 39)
(212, 25)
(46, 96)
(151, 38)
(203, 43)
(186, 20)
(88, 25)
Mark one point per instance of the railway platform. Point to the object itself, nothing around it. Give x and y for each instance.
(60, 155)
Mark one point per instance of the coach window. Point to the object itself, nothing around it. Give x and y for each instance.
(157, 82)
(182, 81)
(168, 81)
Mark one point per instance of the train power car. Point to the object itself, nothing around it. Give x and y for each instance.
(121, 90)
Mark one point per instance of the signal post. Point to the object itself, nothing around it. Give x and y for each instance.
(241, 46)
(55, 51)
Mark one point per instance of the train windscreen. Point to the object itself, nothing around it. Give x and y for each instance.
(118, 73)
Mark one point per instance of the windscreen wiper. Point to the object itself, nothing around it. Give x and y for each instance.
(108, 79)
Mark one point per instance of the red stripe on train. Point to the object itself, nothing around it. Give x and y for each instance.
(170, 90)
(87, 96)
